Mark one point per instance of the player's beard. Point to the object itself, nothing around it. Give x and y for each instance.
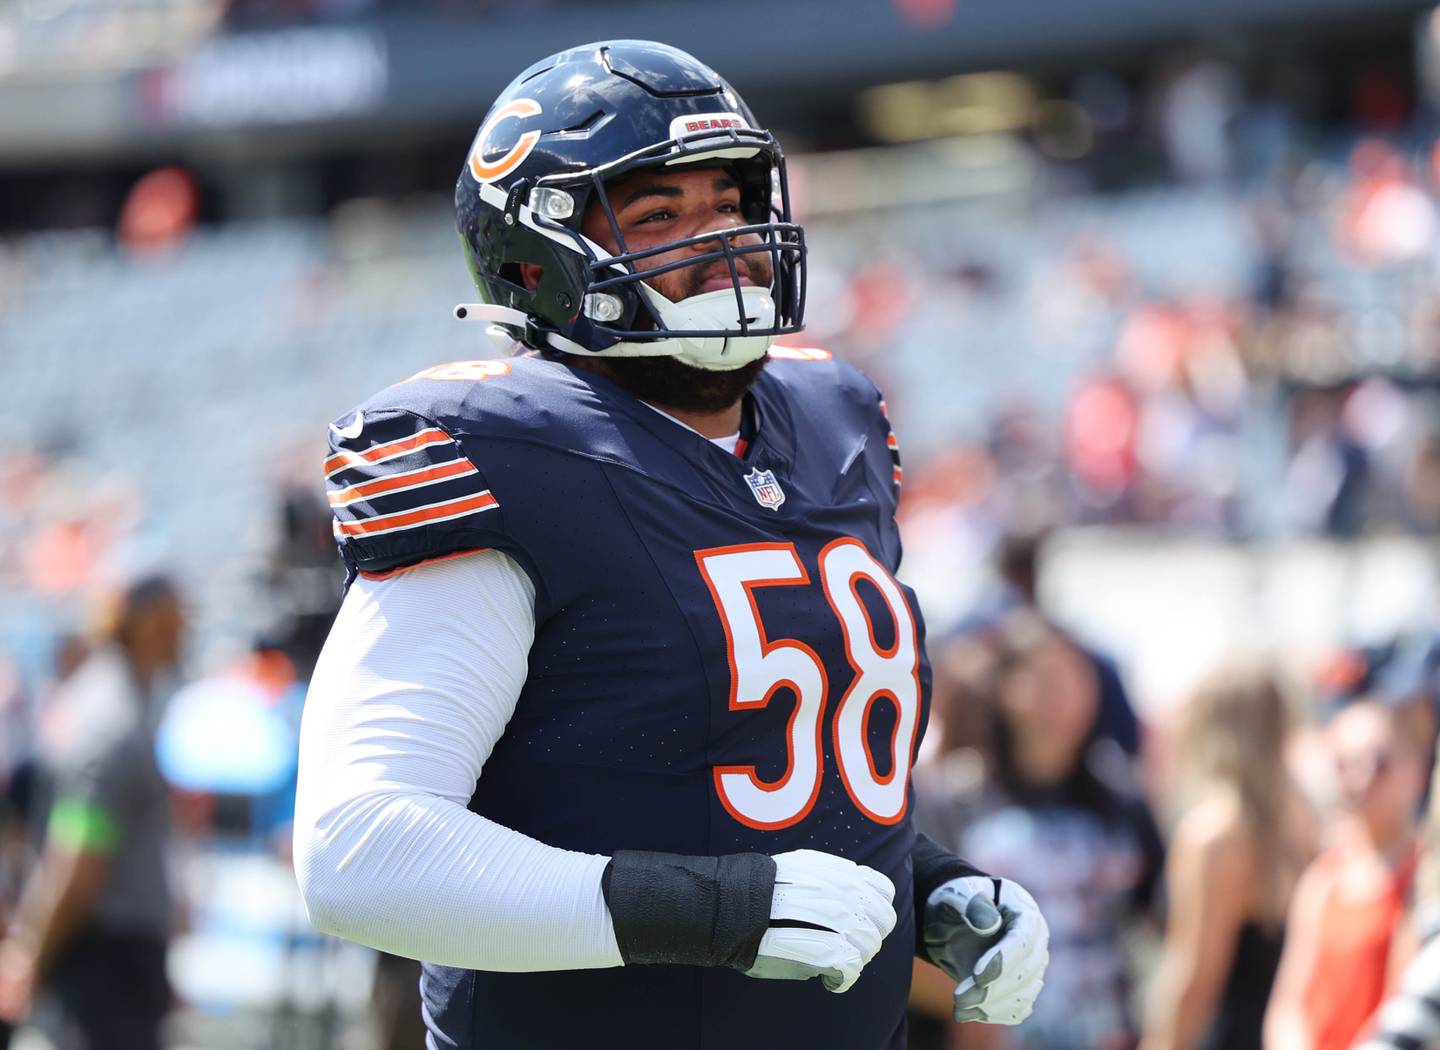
(668, 383)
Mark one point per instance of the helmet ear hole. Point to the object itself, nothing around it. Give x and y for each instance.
(512, 280)
(511, 273)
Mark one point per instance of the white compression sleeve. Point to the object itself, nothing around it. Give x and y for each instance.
(416, 683)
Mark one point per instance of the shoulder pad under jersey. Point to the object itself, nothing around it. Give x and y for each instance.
(403, 478)
(835, 392)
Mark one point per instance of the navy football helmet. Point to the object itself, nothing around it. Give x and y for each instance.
(544, 154)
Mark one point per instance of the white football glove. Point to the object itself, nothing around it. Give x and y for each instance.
(988, 934)
(847, 911)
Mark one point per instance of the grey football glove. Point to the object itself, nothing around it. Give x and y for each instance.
(989, 936)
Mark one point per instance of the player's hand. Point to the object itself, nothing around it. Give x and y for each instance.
(846, 911)
(988, 934)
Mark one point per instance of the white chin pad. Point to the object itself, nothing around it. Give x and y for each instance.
(715, 311)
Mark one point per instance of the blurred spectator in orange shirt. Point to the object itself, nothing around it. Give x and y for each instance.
(1344, 940)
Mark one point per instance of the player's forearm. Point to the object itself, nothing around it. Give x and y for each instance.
(402, 711)
(423, 877)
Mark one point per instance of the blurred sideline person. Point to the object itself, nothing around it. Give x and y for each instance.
(23, 794)
(88, 943)
(1019, 566)
(614, 727)
(1052, 806)
(1411, 1018)
(1345, 940)
(16, 794)
(1234, 859)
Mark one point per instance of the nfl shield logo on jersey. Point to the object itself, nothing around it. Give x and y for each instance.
(768, 492)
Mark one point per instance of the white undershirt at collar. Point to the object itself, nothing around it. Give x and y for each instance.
(729, 442)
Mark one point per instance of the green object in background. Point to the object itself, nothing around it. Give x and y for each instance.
(83, 827)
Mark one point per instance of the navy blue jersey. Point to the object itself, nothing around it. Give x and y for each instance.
(723, 661)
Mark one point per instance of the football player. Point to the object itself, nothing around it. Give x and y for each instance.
(615, 726)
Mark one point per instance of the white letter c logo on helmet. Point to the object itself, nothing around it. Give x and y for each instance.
(521, 107)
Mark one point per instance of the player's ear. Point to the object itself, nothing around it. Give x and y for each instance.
(531, 274)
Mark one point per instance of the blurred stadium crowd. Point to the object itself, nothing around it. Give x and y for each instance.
(1165, 367)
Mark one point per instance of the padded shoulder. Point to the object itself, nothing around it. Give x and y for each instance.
(400, 485)
(816, 374)
(836, 395)
(523, 398)
(425, 469)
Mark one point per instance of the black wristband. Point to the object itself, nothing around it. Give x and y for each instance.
(694, 911)
(932, 867)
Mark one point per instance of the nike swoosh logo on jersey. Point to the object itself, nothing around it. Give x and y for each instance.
(351, 430)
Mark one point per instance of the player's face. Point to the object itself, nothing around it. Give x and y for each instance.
(655, 207)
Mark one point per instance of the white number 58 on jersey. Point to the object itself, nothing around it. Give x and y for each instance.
(760, 667)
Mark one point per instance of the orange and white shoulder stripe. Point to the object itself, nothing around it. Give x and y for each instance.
(414, 517)
(345, 458)
(401, 482)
